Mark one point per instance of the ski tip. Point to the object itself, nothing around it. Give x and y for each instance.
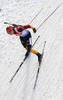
(45, 41)
(0, 10)
(34, 87)
(10, 81)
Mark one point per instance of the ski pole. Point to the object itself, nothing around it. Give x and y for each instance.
(36, 15)
(35, 40)
(39, 66)
(30, 22)
(49, 16)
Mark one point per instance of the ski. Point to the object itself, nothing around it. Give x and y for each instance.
(18, 69)
(22, 62)
(39, 66)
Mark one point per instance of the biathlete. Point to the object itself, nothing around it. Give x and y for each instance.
(25, 37)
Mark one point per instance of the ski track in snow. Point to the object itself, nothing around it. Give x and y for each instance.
(50, 80)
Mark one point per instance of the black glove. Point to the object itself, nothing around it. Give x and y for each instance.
(34, 30)
(27, 54)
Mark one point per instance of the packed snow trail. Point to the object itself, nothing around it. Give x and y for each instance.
(50, 81)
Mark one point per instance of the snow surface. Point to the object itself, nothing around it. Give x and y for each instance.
(50, 81)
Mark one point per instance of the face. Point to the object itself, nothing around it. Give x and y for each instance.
(11, 33)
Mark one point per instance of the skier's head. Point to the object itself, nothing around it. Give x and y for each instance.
(9, 30)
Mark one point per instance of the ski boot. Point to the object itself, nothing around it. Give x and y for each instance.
(39, 58)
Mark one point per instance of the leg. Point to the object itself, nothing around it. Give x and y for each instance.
(37, 53)
(33, 51)
(27, 43)
(23, 41)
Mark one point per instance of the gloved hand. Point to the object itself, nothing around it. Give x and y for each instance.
(34, 30)
(27, 54)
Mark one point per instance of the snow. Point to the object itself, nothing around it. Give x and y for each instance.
(50, 80)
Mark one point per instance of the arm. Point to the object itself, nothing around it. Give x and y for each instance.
(29, 26)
